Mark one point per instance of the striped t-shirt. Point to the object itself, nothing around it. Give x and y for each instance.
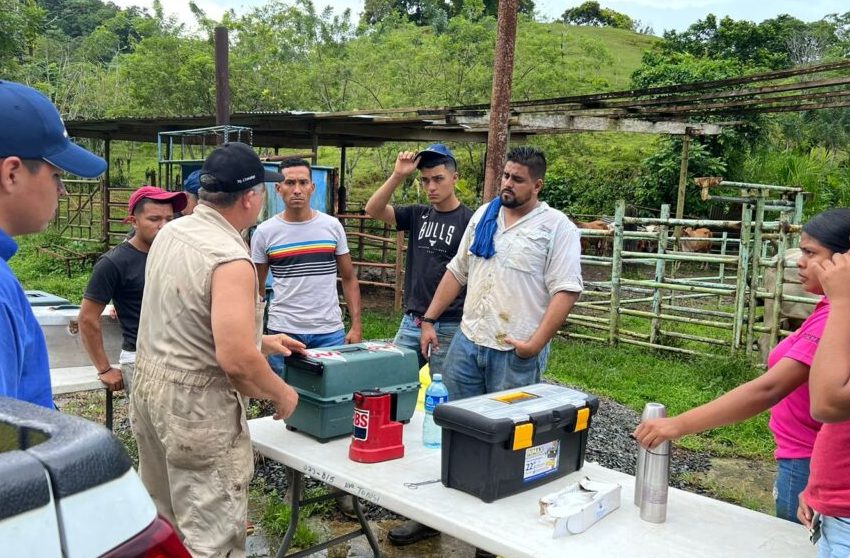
(302, 262)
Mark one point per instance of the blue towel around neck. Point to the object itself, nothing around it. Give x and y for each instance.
(485, 230)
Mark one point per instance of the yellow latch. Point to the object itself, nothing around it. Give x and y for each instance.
(582, 417)
(523, 435)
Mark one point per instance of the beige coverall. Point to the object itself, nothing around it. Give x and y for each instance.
(195, 455)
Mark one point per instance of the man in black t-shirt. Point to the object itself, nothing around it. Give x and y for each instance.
(119, 276)
(434, 233)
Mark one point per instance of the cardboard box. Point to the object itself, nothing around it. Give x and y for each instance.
(577, 507)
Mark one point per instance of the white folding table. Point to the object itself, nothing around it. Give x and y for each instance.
(696, 526)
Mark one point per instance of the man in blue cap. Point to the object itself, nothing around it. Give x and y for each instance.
(435, 233)
(191, 186)
(34, 152)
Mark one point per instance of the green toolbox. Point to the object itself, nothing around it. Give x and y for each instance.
(327, 378)
(502, 443)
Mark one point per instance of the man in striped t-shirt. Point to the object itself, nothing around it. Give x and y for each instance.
(304, 249)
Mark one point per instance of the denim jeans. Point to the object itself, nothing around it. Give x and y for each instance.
(312, 340)
(791, 479)
(409, 333)
(835, 537)
(473, 369)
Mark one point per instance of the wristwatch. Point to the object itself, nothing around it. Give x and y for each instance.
(428, 320)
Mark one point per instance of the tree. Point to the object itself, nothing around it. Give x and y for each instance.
(21, 22)
(773, 44)
(435, 12)
(591, 13)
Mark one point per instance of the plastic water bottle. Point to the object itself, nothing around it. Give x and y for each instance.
(437, 393)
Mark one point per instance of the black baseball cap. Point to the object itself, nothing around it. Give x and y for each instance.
(234, 167)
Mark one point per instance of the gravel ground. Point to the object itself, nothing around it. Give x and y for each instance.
(609, 444)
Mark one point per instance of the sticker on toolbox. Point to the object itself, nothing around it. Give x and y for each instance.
(541, 460)
(329, 355)
(379, 346)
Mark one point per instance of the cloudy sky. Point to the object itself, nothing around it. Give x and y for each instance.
(659, 14)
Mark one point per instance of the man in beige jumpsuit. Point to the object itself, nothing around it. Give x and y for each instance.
(199, 353)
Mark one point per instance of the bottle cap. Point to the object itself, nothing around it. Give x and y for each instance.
(437, 378)
(653, 411)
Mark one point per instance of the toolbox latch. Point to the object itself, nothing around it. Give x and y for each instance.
(523, 436)
(582, 418)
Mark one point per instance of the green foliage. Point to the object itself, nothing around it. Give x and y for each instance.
(822, 172)
(168, 76)
(38, 271)
(434, 12)
(275, 521)
(21, 21)
(661, 69)
(775, 43)
(659, 179)
(634, 376)
(591, 13)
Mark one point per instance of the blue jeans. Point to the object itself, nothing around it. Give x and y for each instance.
(312, 340)
(791, 479)
(408, 336)
(835, 537)
(473, 369)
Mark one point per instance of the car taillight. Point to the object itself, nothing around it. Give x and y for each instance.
(158, 540)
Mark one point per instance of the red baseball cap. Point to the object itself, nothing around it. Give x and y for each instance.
(178, 199)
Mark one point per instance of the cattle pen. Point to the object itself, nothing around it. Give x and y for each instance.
(645, 290)
(653, 298)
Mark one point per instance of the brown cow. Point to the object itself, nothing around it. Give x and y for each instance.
(696, 240)
(600, 246)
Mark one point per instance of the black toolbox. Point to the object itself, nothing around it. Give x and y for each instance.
(502, 443)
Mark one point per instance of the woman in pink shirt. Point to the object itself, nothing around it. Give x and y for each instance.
(828, 491)
(784, 387)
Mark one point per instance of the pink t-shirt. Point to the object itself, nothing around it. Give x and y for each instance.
(790, 420)
(828, 490)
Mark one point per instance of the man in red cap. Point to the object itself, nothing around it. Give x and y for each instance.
(119, 276)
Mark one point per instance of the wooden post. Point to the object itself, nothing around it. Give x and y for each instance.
(399, 259)
(104, 195)
(342, 197)
(222, 77)
(683, 181)
(500, 98)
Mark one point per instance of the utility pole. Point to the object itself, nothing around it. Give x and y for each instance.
(500, 99)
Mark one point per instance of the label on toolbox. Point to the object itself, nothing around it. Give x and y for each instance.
(361, 424)
(541, 460)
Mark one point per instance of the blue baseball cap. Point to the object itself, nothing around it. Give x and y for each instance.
(433, 151)
(192, 183)
(31, 128)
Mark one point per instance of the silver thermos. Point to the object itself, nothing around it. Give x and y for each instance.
(652, 473)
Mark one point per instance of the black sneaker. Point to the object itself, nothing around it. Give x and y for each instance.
(410, 532)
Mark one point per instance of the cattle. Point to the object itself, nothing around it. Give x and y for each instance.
(696, 240)
(648, 244)
(601, 246)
